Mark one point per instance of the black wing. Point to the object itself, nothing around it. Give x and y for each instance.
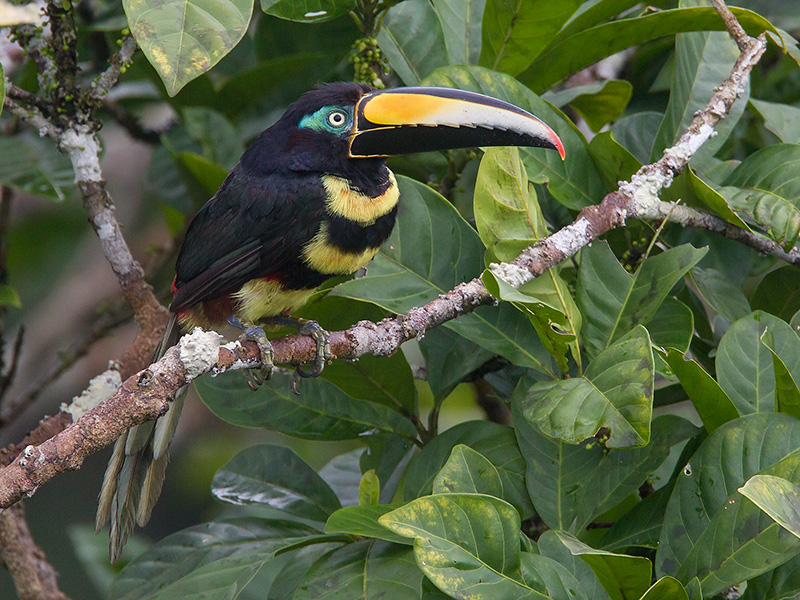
(253, 227)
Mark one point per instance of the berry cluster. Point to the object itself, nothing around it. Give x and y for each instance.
(368, 62)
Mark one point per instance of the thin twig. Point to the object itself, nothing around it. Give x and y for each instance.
(117, 62)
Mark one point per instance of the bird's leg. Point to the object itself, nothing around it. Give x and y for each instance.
(256, 334)
(320, 336)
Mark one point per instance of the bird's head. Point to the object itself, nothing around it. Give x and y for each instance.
(338, 126)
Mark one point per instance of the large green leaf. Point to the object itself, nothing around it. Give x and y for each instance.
(226, 550)
(183, 39)
(461, 25)
(363, 521)
(612, 300)
(586, 47)
(779, 293)
(623, 577)
(277, 477)
(574, 182)
(781, 119)
(783, 343)
(321, 411)
(641, 525)
(307, 11)
(430, 251)
(591, 14)
(570, 485)
(781, 583)
(516, 31)
(765, 186)
(692, 190)
(777, 497)
(33, 165)
(637, 132)
(464, 542)
(468, 471)
(702, 61)
(709, 530)
(744, 364)
(493, 441)
(412, 40)
(598, 103)
(615, 394)
(614, 162)
(709, 399)
(448, 358)
(550, 545)
(509, 219)
(720, 293)
(672, 326)
(368, 569)
(666, 588)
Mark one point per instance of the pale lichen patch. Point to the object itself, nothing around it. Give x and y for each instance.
(199, 352)
(100, 389)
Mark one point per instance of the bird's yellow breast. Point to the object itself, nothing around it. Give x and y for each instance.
(321, 255)
(261, 298)
(348, 203)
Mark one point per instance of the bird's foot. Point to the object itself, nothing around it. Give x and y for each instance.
(253, 333)
(321, 337)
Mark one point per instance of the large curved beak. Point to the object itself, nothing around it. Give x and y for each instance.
(422, 119)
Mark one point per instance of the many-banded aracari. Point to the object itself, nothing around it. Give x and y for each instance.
(311, 198)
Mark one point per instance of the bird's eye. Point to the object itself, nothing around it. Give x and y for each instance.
(337, 118)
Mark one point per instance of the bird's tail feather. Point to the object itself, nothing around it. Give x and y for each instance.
(135, 473)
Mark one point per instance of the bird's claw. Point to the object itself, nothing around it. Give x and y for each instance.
(323, 354)
(256, 377)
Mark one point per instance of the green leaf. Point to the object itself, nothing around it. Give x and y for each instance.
(368, 569)
(598, 104)
(34, 165)
(637, 132)
(641, 525)
(586, 47)
(591, 14)
(9, 297)
(493, 441)
(786, 363)
(778, 293)
(307, 11)
(744, 364)
(720, 293)
(550, 546)
(666, 588)
(616, 393)
(570, 485)
(509, 219)
(574, 182)
(692, 190)
(412, 40)
(183, 39)
(702, 61)
(220, 139)
(321, 411)
(613, 161)
(765, 186)
(550, 577)
(362, 521)
(672, 326)
(211, 546)
(709, 399)
(623, 577)
(448, 358)
(468, 471)
(709, 531)
(430, 251)
(207, 174)
(612, 301)
(461, 25)
(464, 542)
(369, 489)
(277, 477)
(516, 31)
(777, 497)
(781, 119)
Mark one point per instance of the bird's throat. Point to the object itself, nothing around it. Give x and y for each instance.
(350, 203)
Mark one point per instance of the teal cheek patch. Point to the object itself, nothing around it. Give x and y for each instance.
(318, 121)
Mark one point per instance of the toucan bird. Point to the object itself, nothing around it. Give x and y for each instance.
(311, 198)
